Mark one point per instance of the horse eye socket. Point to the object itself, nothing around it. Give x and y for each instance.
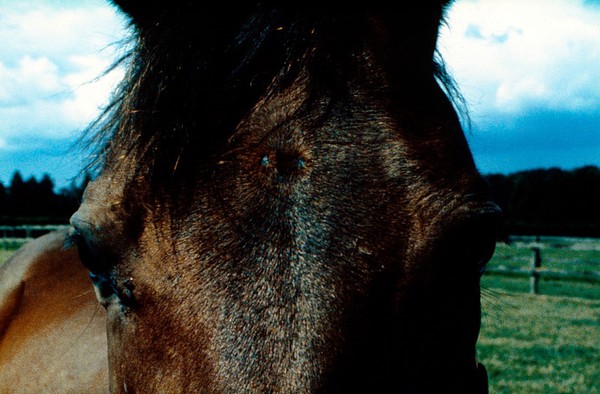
(101, 267)
(89, 258)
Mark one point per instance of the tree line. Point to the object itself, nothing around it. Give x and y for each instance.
(550, 202)
(537, 202)
(33, 201)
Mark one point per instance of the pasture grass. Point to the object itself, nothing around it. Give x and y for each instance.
(8, 246)
(5, 254)
(547, 343)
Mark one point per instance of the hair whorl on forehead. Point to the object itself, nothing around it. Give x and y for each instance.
(192, 77)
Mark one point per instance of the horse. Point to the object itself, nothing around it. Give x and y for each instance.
(52, 332)
(286, 202)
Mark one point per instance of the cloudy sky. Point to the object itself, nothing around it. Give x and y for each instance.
(529, 70)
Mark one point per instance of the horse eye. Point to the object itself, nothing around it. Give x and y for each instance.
(100, 266)
(89, 258)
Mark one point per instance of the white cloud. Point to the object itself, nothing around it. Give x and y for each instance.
(508, 55)
(89, 93)
(50, 61)
(31, 79)
(38, 28)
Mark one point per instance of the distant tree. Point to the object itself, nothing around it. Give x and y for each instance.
(552, 201)
(41, 198)
(584, 188)
(46, 193)
(46, 186)
(34, 201)
(17, 198)
(2, 200)
(16, 182)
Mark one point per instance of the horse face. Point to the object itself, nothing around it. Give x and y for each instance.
(327, 247)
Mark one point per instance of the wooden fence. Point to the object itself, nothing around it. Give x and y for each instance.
(11, 236)
(536, 272)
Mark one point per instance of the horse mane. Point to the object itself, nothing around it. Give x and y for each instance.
(192, 77)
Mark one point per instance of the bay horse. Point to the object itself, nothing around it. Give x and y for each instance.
(286, 203)
(52, 332)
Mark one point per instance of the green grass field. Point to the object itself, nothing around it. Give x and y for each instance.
(5, 254)
(8, 248)
(547, 343)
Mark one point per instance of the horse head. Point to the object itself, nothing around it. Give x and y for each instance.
(287, 203)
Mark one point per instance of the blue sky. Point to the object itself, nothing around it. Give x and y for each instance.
(529, 70)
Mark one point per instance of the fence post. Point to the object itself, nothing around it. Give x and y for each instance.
(536, 264)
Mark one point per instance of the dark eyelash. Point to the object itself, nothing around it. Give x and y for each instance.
(73, 239)
(88, 257)
(100, 272)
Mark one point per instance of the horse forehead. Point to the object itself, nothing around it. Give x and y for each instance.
(280, 124)
(278, 148)
(278, 152)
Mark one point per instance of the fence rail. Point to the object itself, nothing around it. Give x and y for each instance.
(546, 274)
(536, 272)
(7, 231)
(14, 236)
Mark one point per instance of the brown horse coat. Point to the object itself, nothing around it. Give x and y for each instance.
(287, 203)
(52, 331)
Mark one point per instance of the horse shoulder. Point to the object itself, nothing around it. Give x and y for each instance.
(52, 331)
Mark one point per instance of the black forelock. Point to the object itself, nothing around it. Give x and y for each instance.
(193, 76)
